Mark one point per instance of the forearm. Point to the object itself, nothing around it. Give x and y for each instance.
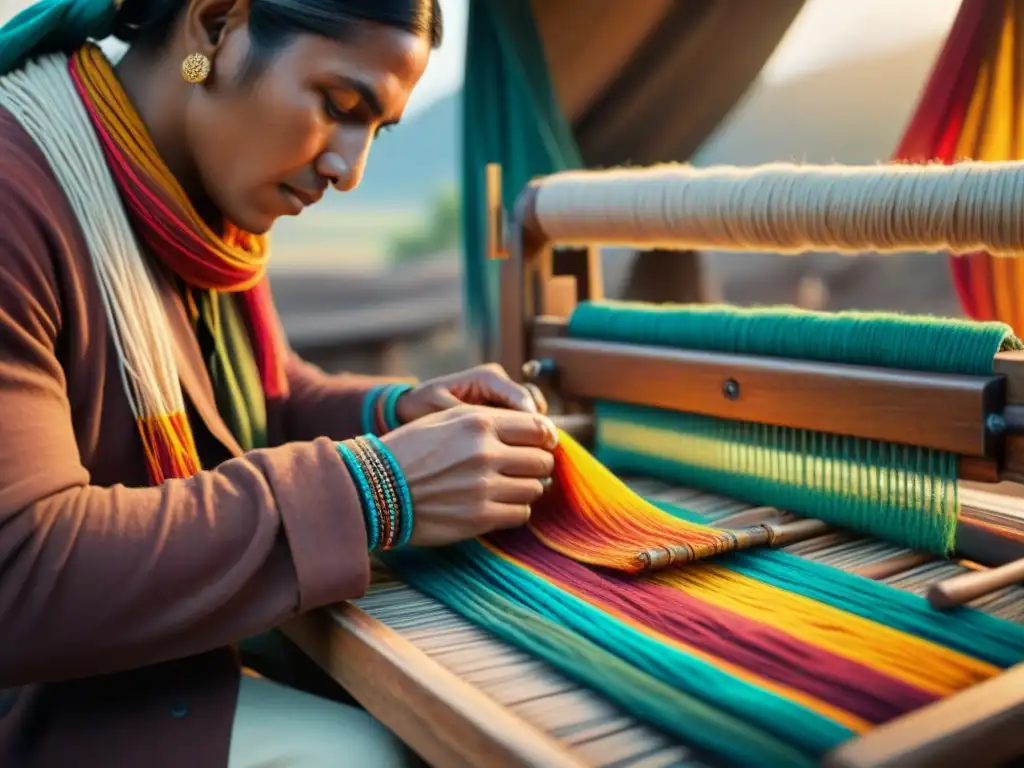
(329, 405)
(98, 580)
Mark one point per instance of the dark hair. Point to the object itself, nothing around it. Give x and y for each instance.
(273, 23)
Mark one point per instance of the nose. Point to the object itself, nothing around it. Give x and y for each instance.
(344, 161)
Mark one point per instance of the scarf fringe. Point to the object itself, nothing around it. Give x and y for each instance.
(74, 110)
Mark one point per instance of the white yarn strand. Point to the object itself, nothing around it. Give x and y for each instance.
(791, 209)
(44, 100)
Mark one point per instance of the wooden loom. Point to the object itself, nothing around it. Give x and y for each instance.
(461, 697)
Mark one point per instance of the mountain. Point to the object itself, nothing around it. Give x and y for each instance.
(409, 163)
(852, 112)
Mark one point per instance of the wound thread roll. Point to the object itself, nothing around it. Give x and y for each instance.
(790, 208)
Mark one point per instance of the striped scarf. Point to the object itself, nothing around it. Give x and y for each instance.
(127, 200)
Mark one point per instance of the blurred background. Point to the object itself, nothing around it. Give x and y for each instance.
(373, 280)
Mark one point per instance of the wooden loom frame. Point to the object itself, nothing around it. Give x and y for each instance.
(979, 418)
(451, 723)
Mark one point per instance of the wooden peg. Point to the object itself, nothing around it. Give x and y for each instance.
(966, 587)
(496, 237)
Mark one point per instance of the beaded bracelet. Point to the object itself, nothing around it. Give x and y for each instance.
(383, 492)
(405, 525)
(380, 408)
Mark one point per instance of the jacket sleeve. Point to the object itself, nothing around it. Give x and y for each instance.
(97, 580)
(326, 405)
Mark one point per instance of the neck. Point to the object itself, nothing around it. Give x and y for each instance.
(159, 95)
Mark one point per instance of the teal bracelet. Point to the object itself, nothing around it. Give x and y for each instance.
(371, 514)
(369, 418)
(406, 519)
(394, 392)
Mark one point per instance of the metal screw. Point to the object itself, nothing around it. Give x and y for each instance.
(731, 389)
(534, 369)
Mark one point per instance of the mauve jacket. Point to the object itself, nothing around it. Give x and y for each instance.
(118, 601)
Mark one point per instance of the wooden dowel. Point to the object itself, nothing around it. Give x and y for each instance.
(966, 587)
(766, 534)
(892, 565)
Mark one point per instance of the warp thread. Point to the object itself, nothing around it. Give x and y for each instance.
(900, 493)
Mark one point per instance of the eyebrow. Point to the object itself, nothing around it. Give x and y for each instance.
(368, 94)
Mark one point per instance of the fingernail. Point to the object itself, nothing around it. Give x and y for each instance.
(552, 432)
(532, 392)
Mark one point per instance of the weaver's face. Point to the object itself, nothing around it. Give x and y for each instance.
(271, 147)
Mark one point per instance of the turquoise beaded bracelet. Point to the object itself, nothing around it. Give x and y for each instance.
(383, 492)
(371, 514)
(405, 525)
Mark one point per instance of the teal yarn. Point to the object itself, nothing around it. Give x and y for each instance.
(667, 688)
(370, 511)
(679, 694)
(895, 492)
(51, 26)
(966, 630)
(910, 342)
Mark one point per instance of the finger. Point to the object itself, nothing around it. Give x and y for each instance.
(538, 397)
(516, 490)
(525, 429)
(526, 462)
(495, 387)
(503, 516)
(440, 399)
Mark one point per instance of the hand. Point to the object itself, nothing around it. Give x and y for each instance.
(483, 385)
(472, 470)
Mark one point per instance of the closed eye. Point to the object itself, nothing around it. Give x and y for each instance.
(355, 110)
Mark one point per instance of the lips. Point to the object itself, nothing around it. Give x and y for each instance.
(304, 197)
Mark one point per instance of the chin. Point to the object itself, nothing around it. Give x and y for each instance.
(252, 221)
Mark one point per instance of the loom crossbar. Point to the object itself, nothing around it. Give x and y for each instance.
(942, 412)
(787, 208)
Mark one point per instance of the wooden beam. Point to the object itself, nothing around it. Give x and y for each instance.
(981, 726)
(942, 412)
(444, 719)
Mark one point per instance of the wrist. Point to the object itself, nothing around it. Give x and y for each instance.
(383, 493)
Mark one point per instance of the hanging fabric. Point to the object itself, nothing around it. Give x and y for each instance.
(970, 109)
(510, 116)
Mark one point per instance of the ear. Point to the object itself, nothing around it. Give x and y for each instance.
(208, 22)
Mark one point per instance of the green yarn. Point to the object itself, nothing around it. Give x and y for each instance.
(51, 26)
(658, 684)
(910, 342)
(896, 492)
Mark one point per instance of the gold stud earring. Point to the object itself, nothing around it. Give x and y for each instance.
(195, 68)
